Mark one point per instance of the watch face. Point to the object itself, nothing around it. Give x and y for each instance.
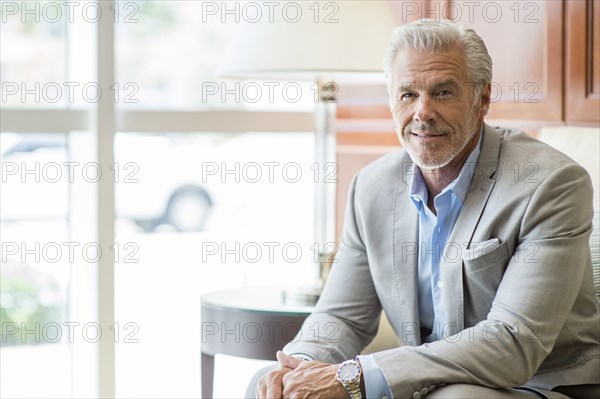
(348, 372)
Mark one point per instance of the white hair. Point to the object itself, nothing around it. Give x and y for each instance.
(431, 35)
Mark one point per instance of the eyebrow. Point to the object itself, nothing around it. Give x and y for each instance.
(437, 85)
(447, 82)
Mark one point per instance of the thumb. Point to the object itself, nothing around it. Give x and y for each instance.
(288, 361)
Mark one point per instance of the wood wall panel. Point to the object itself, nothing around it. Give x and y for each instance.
(595, 46)
(582, 89)
(524, 40)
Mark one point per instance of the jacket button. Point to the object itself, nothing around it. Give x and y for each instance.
(424, 391)
(432, 388)
(417, 395)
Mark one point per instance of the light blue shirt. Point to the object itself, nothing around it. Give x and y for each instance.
(434, 231)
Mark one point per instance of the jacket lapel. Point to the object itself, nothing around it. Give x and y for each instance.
(405, 231)
(451, 263)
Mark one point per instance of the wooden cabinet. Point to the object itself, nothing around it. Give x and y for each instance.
(582, 60)
(525, 40)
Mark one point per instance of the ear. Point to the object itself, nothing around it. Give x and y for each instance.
(485, 99)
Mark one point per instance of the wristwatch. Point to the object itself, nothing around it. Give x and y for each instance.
(349, 374)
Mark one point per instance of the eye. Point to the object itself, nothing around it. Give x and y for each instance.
(444, 93)
(405, 97)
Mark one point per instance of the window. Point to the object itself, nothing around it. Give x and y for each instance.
(141, 169)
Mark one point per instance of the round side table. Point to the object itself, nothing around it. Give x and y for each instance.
(247, 322)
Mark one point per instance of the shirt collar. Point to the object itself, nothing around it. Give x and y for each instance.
(459, 186)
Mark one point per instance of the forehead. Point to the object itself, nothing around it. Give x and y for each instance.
(423, 68)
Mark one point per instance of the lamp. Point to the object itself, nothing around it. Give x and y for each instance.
(327, 42)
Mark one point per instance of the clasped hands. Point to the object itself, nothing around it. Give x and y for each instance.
(297, 378)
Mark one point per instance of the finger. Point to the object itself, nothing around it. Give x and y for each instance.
(261, 389)
(273, 389)
(288, 361)
(274, 392)
(290, 391)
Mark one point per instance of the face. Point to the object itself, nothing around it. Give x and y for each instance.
(437, 116)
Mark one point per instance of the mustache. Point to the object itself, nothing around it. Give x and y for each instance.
(421, 127)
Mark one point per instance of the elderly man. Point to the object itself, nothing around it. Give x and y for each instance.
(472, 239)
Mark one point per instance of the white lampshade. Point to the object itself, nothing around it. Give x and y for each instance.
(344, 40)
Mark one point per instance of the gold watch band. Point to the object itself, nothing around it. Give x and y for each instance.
(353, 390)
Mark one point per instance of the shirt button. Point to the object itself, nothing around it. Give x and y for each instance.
(440, 284)
(384, 397)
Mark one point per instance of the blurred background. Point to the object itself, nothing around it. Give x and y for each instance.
(175, 187)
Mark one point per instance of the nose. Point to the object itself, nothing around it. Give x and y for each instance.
(424, 109)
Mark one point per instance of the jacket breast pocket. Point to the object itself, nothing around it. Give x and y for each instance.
(481, 258)
(482, 275)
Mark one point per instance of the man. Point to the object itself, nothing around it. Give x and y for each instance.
(473, 240)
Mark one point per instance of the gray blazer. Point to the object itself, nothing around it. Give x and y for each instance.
(521, 309)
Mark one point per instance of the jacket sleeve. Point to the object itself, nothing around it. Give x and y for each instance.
(346, 317)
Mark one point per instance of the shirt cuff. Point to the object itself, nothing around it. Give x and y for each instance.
(302, 356)
(375, 384)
